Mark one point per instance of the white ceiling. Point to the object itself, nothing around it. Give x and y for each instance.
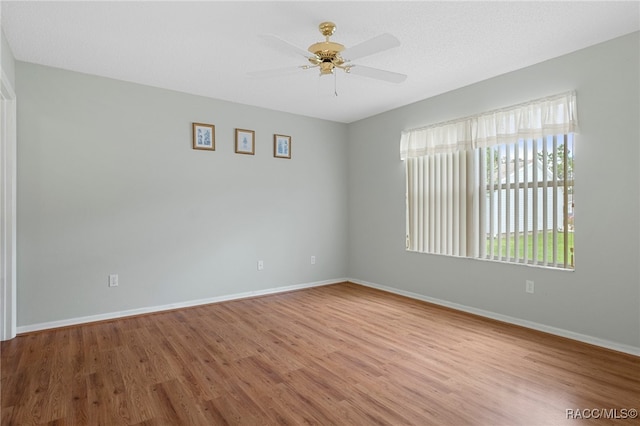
(207, 48)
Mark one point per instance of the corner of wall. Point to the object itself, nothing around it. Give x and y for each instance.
(7, 64)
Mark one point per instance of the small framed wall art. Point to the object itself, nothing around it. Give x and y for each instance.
(282, 146)
(204, 136)
(245, 141)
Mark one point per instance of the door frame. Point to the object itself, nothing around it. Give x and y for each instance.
(8, 177)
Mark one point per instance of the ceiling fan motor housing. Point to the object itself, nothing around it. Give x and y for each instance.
(326, 53)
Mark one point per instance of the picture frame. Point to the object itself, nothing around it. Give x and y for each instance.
(282, 146)
(204, 136)
(245, 141)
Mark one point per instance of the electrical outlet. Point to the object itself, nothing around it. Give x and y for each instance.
(260, 265)
(313, 260)
(113, 280)
(529, 286)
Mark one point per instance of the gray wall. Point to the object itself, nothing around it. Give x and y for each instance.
(602, 297)
(108, 183)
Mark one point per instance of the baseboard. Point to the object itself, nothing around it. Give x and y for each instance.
(632, 350)
(171, 306)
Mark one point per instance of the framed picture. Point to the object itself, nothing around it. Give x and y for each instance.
(204, 136)
(245, 141)
(282, 146)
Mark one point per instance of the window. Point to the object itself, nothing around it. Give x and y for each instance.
(496, 186)
(528, 202)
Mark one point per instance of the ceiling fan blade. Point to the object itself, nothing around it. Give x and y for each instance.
(284, 45)
(391, 77)
(276, 72)
(377, 44)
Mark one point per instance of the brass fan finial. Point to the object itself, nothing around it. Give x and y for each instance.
(327, 29)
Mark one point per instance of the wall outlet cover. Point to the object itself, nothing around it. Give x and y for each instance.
(529, 287)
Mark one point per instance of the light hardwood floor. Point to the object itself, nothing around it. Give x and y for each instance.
(336, 355)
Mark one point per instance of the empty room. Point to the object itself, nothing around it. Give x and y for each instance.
(329, 213)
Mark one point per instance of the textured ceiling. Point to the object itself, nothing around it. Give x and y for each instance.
(207, 48)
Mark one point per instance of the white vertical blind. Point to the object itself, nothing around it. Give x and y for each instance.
(555, 201)
(437, 217)
(534, 207)
(508, 214)
(541, 175)
(545, 205)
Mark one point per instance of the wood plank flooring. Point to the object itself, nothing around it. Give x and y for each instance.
(336, 355)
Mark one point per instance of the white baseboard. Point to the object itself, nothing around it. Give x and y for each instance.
(152, 309)
(632, 350)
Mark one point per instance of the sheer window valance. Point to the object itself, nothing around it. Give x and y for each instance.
(535, 119)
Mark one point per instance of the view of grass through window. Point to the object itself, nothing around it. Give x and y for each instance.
(540, 257)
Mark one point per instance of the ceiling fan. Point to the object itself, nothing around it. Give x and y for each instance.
(327, 56)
